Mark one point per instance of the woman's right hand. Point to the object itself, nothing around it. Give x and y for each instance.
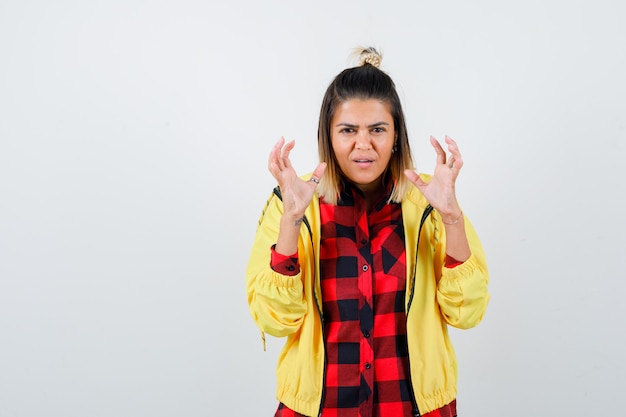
(297, 193)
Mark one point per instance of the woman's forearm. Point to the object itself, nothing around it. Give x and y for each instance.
(457, 245)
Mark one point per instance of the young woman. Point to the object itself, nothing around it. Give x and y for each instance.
(363, 264)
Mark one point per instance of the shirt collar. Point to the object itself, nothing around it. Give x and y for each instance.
(350, 193)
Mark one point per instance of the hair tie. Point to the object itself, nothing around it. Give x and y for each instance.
(369, 56)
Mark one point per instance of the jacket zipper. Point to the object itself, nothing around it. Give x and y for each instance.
(427, 211)
(319, 311)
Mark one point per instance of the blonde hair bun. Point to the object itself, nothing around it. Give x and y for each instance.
(369, 56)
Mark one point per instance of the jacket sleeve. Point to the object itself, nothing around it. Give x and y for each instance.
(276, 301)
(462, 292)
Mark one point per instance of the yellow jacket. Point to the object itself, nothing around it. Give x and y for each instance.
(291, 306)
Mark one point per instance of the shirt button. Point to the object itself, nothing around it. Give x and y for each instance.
(365, 268)
(368, 366)
(363, 241)
(366, 334)
(291, 268)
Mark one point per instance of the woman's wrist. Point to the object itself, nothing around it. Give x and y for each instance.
(287, 241)
(291, 220)
(452, 219)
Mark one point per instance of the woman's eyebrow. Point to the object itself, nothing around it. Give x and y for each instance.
(379, 124)
(353, 126)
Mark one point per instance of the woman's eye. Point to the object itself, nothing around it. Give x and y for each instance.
(378, 130)
(347, 130)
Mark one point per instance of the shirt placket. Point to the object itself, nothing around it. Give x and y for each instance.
(366, 311)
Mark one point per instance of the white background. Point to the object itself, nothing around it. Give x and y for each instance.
(133, 144)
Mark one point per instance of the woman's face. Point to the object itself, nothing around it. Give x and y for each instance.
(362, 135)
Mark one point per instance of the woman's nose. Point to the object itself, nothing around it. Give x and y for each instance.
(363, 141)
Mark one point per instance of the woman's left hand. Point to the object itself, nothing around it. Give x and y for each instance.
(440, 190)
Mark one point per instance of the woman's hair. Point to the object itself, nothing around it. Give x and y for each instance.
(363, 82)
